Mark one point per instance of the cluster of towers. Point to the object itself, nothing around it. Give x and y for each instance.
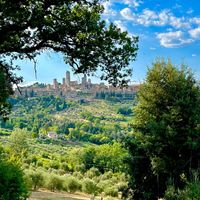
(67, 84)
(69, 88)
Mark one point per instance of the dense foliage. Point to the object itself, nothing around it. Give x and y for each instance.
(115, 96)
(5, 91)
(166, 145)
(12, 182)
(72, 120)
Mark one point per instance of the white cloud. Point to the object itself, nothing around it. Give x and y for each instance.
(107, 8)
(120, 25)
(178, 30)
(173, 39)
(109, 4)
(151, 18)
(127, 14)
(195, 20)
(195, 33)
(178, 22)
(152, 48)
(194, 55)
(132, 3)
(147, 17)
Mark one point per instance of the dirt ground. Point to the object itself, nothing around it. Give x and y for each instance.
(46, 195)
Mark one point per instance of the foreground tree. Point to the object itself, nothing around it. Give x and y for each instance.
(12, 182)
(74, 28)
(166, 146)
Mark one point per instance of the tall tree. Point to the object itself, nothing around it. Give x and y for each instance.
(167, 130)
(74, 28)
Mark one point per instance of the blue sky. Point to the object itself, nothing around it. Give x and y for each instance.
(169, 29)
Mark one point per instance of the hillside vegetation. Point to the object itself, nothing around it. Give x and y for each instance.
(87, 154)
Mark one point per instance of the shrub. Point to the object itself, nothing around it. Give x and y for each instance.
(78, 175)
(107, 175)
(125, 111)
(191, 191)
(64, 166)
(103, 184)
(111, 191)
(92, 172)
(89, 186)
(37, 179)
(12, 182)
(122, 186)
(54, 164)
(72, 184)
(54, 182)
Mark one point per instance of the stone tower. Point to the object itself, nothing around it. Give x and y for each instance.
(55, 84)
(84, 80)
(63, 81)
(67, 80)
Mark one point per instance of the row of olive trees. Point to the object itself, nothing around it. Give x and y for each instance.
(95, 184)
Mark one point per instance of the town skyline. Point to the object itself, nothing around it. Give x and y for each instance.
(70, 88)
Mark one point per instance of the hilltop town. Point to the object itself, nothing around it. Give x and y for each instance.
(70, 88)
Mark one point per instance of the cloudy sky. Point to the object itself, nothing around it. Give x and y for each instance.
(169, 29)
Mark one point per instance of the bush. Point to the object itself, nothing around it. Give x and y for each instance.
(92, 172)
(12, 182)
(107, 175)
(111, 191)
(64, 166)
(37, 179)
(172, 194)
(191, 191)
(89, 186)
(103, 184)
(78, 175)
(122, 186)
(54, 164)
(125, 111)
(55, 182)
(71, 184)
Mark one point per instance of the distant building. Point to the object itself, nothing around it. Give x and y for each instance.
(68, 79)
(84, 80)
(55, 84)
(52, 135)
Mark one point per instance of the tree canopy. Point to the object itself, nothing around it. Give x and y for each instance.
(166, 143)
(74, 28)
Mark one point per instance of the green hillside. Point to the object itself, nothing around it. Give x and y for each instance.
(96, 121)
(87, 153)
